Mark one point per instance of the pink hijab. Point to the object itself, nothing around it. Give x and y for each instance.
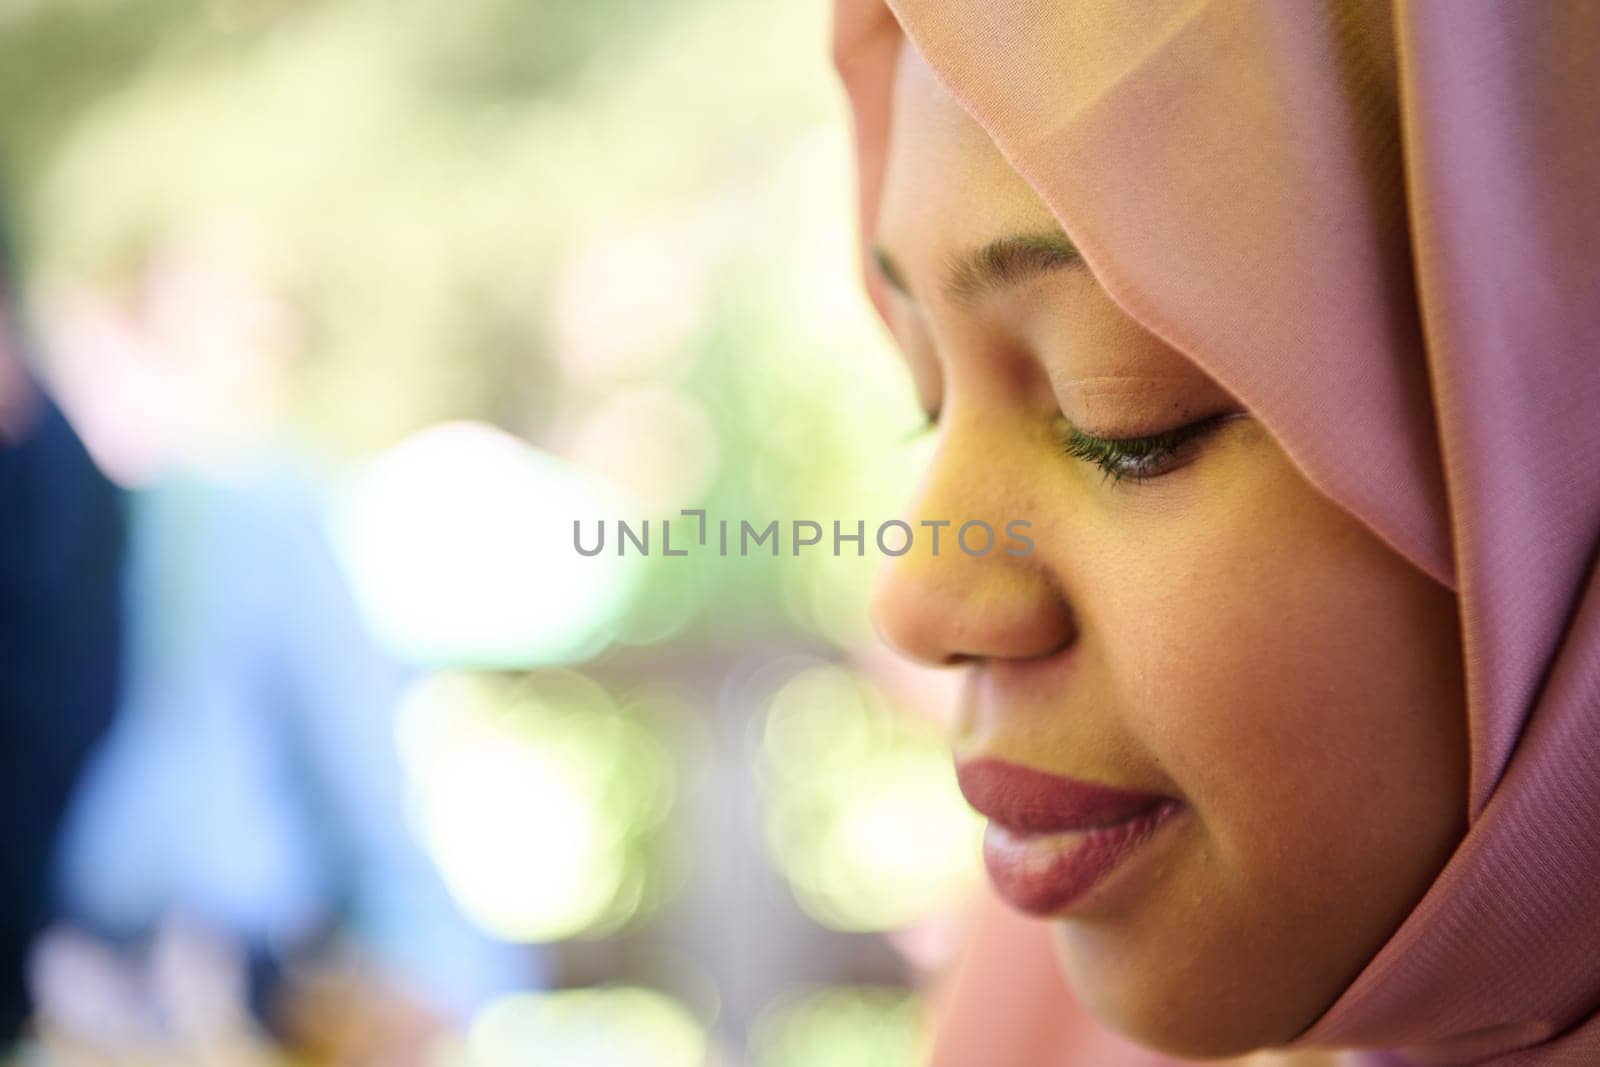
(1378, 225)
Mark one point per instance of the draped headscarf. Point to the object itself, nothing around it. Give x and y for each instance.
(1378, 225)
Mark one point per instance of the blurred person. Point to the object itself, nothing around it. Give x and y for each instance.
(1279, 325)
(61, 543)
(245, 820)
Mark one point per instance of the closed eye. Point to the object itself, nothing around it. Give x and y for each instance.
(1144, 457)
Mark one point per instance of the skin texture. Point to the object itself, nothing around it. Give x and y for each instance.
(1219, 632)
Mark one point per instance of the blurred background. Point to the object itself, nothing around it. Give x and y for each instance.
(347, 755)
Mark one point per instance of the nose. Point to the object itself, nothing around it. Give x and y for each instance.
(940, 604)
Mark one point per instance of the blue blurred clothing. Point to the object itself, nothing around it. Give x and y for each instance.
(61, 539)
(251, 779)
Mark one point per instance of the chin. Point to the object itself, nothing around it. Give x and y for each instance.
(1186, 1011)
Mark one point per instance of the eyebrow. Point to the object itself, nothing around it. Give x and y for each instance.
(998, 264)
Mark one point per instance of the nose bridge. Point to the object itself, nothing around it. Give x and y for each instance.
(973, 483)
(972, 582)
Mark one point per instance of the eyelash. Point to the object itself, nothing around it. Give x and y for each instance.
(1138, 458)
(1108, 452)
(1146, 453)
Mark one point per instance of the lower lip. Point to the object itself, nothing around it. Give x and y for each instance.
(1046, 874)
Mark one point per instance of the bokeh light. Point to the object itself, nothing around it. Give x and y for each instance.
(864, 816)
(539, 798)
(459, 546)
(841, 1026)
(655, 442)
(627, 304)
(617, 1026)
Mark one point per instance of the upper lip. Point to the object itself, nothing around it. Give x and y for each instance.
(1029, 801)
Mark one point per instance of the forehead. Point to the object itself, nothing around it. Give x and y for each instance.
(946, 187)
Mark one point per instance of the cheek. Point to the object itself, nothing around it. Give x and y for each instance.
(1295, 679)
(1299, 685)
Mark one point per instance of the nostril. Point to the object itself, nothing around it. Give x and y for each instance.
(1054, 650)
(1063, 626)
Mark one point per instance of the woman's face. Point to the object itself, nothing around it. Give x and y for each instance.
(1207, 629)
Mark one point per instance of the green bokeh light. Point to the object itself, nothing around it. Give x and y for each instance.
(863, 814)
(841, 1026)
(540, 799)
(615, 1026)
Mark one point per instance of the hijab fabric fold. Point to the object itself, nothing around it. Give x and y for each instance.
(1378, 225)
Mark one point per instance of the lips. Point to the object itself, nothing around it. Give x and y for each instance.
(1053, 839)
